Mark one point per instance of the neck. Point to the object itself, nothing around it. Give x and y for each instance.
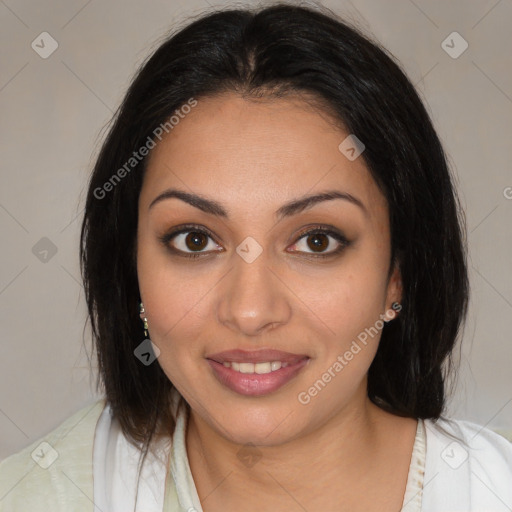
(344, 449)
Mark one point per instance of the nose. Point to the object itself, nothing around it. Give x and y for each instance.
(252, 298)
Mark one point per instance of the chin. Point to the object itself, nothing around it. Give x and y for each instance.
(264, 425)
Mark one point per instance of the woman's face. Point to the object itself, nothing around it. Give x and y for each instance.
(266, 332)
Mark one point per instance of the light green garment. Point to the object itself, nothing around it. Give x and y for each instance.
(55, 473)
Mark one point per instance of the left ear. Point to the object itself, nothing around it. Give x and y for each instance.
(394, 292)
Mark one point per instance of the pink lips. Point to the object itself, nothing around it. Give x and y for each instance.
(256, 384)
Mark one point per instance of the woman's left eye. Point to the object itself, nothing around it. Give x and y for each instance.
(194, 240)
(317, 239)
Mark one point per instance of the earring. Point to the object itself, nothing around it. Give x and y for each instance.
(144, 319)
(395, 308)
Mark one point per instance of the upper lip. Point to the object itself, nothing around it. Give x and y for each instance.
(256, 356)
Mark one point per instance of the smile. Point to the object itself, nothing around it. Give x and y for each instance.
(256, 373)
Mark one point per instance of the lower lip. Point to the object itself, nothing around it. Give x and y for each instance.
(254, 384)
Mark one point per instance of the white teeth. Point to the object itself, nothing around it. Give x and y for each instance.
(246, 367)
(262, 368)
(258, 368)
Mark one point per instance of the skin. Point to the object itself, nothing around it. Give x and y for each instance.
(340, 451)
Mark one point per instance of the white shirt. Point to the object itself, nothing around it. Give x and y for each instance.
(472, 472)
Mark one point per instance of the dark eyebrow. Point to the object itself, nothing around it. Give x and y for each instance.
(291, 208)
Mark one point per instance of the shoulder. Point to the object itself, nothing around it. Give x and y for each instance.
(56, 469)
(467, 465)
(480, 442)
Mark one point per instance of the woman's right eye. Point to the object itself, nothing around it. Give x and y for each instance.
(189, 241)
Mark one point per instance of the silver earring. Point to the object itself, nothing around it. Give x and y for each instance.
(144, 319)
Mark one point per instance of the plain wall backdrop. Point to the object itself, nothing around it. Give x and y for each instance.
(53, 111)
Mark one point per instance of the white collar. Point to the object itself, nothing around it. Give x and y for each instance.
(115, 465)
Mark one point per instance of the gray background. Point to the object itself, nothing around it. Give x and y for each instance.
(52, 114)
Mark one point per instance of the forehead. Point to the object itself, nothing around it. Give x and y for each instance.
(264, 151)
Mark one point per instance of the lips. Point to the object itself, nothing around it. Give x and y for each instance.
(255, 384)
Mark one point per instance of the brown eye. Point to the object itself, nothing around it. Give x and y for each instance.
(318, 242)
(189, 241)
(196, 240)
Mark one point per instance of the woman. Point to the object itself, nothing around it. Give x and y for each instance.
(275, 270)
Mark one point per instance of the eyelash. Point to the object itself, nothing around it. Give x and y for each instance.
(193, 228)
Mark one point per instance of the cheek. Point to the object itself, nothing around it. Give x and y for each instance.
(353, 303)
(351, 309)
(164, 290)
(353, 298)
(176, 301)
(175, 310)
